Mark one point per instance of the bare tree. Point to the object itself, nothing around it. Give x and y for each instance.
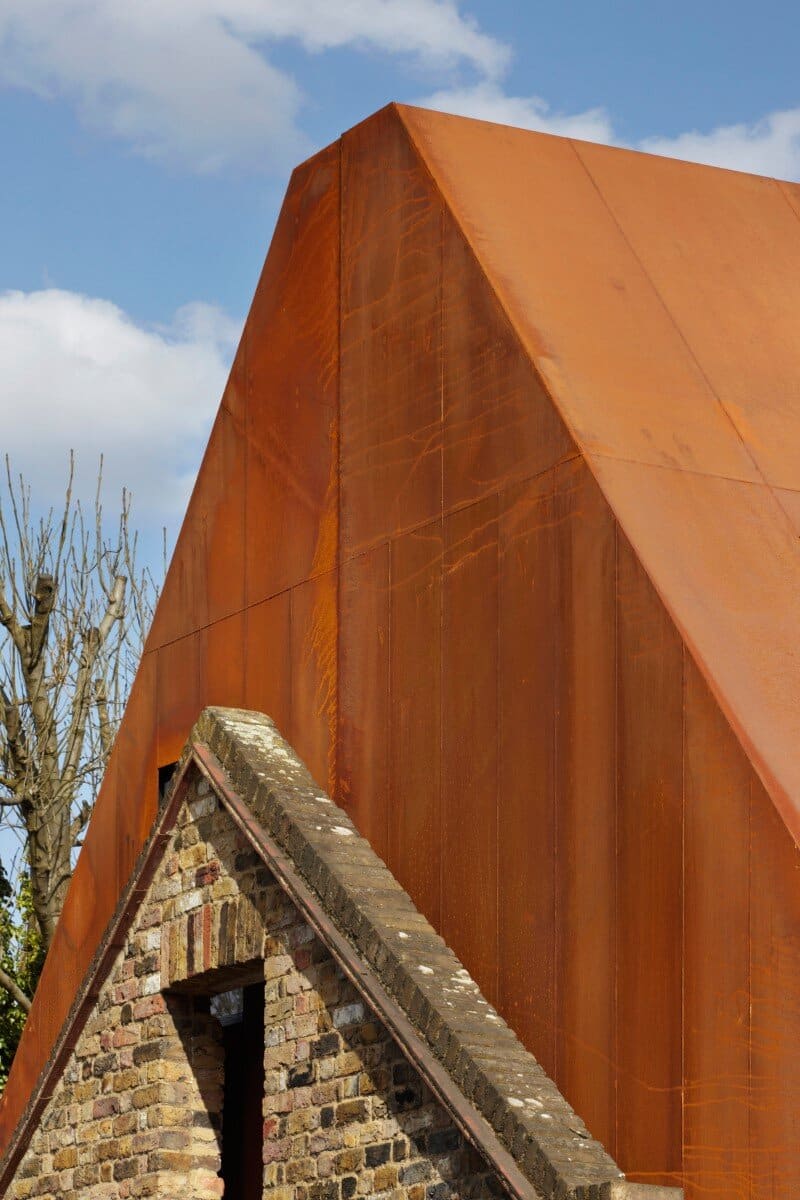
(74, 610)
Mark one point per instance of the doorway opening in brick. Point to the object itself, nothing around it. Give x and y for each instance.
(165, 774)
(240, 1012)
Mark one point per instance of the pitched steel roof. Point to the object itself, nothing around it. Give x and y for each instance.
(660, 303)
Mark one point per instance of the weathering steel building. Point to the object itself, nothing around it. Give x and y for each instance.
(499, 523)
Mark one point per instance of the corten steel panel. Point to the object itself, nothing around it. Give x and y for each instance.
(362, 754)
(775, 991)
(96, 882)
(716, 997)
(223, 650)
(391, 455)
(573, 289)
(180, 671)
(789, 501)
(206, 576)
(292, 357)
(470, 618)
(586, 798)
(729, 275)
(267, 665)
(414, 845)
(649, 886)
(313, 649)
(135, 750)
(791, 193)
(25, 1070)
(225, 520)
(499, 426)
(524, 791)
(725, 559)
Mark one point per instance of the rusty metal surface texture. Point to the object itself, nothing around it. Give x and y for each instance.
(498, 426)
(292, 378)
(414, 846)
(362, 786)
(586, 792)
(528, 602)
(267, 665)
(469, 823)
(499, 521)
(314, 675)
(649, 886)
(717, 1029)
(391, 448)
(774, 902)
(659, 303)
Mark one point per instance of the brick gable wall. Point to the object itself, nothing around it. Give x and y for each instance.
(138, 1110)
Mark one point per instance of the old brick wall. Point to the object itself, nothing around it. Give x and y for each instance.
(345, 1115)
(137, 1111)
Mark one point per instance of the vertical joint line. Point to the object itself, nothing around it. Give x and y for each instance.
(336, 749)
(615, 885)
(555, 582)
(683, 904)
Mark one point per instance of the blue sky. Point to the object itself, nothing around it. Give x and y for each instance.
(146, 145)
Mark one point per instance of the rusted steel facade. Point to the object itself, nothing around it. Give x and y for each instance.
(499, 521)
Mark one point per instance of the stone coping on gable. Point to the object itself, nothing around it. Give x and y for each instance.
(491, 1069)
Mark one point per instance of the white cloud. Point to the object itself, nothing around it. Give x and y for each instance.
(433, 30)
(188, 82)
(191, 83)
(770, 146)
(77, 372)
(488, 101)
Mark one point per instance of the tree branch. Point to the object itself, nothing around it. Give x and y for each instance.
(80, 710)
(45, 598)
(72, 616)
(103, 717)
(16, 749)
(115, 610)
(80, 822)
(14, 990)
(10, 622)
(93, 641)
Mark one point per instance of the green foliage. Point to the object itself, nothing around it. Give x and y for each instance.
(22, 956)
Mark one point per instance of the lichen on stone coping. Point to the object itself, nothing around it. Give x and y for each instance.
(498, 1078)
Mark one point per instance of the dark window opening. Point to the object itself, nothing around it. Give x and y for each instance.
(241, 1014)
(165, 774)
